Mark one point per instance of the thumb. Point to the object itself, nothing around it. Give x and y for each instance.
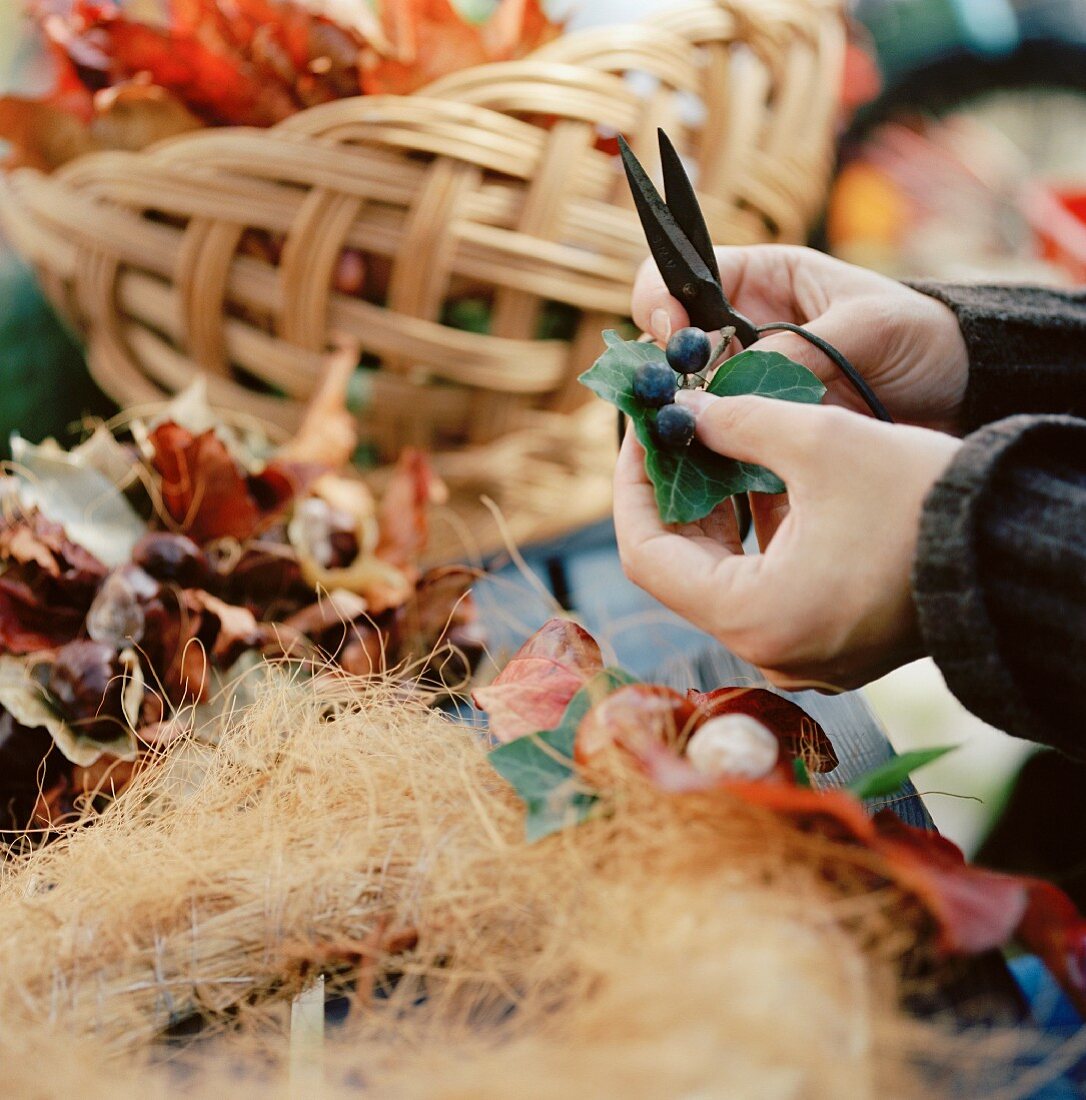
(786, 436)
(652, 306)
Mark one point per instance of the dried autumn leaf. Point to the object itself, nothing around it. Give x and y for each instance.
(31, 770)
(207, 494)
(976, 910)
(202, 487)
(42, 135)
(44, 106)
(402, 513)
(973, 910)
(47, 584)
(638, 718)
(428, 39)
(328, 433)
(71, 490)
(220, 87)
(136, 114)
(25, 700)
(225, 630)
(533, 690)
(799, 734)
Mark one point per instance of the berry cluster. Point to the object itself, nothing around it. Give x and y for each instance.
(654, 385)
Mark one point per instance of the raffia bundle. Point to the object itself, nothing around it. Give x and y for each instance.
(678, 947)
(499, 183)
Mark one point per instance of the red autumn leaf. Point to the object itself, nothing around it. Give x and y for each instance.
(640, 718)
(207, 494)
(1054, 930)
(533, 690)
(426, 39)
(220, 87)
(977, 909)
(974, 910)
(202, 487)
(402, 515)
(47, 585)
(799, 734)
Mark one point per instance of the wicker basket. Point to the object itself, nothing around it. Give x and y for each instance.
(497, 181)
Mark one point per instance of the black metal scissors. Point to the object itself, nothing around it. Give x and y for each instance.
(683, 250)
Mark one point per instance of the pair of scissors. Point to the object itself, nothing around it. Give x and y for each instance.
(679, 241)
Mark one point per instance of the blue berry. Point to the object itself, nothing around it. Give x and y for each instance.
(654, 385)
(674, 426)
(688, 351)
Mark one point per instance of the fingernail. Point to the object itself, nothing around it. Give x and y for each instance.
(695, 400)
(660, 324)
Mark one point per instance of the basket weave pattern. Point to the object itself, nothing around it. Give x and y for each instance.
(497, 182)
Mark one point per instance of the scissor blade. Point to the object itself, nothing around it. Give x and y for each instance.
(684, 272)
(683, 204)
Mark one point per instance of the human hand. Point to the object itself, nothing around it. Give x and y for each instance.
(827, 603)
(908, 346)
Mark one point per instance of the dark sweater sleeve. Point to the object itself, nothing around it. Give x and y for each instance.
(999, 578)
(1027, 349)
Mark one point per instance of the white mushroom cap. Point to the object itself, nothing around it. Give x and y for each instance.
(733, 746)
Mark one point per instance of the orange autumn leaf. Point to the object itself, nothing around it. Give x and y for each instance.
(428, 39)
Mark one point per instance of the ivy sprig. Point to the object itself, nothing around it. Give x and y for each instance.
(691, 481)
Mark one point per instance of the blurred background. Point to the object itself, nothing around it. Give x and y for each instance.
(962, 155)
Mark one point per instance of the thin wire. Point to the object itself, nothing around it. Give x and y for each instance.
(878, 409)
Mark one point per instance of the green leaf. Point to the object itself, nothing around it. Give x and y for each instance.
(802, 775)
(540, 766)
(690, 482)
(887, 778)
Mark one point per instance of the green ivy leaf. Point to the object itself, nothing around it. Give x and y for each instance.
(887, 778)
(801, 773)
(691, 482)
(540, 766)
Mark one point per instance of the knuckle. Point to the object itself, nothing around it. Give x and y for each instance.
(773, 646)
(823, 427)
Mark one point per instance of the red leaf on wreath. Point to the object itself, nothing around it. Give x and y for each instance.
(639, 718)
(207, 494)
(977, 909)
(533, 690)
(1053, 929)
(799, 734)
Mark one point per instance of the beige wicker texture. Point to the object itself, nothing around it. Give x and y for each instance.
(493, 182)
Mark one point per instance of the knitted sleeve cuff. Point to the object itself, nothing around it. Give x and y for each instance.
(1025, 349)
(994, 579)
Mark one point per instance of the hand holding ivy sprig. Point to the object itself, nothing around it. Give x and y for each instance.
(828, 601)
